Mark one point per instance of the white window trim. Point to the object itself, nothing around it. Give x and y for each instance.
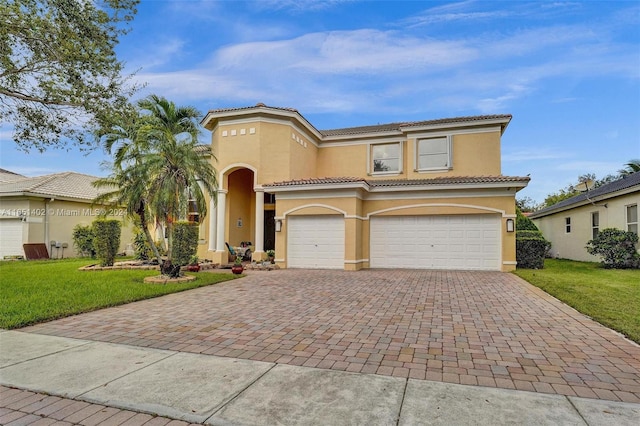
(370, 171)
(416, 155)
(593, 226)
(626, 216)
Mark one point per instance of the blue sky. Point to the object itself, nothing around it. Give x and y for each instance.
(568, 72)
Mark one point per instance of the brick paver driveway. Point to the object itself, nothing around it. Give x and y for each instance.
(477, 328)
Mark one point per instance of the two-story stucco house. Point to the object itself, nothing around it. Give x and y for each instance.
(426, 194)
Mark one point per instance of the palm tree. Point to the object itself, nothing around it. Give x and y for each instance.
(175, 169)
(633, 166)
(126, 185)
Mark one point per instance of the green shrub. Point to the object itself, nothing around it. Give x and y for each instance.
(531, 248)
(83, 240)
(523, 223)
(107, 240)
(617, 248)
(185, 242)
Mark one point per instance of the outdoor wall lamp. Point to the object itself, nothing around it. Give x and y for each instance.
(510, 225)
(278, 225)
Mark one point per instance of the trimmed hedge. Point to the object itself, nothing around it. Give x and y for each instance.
(185, 242)
(107, 240)
(524, 223)
(531, 249)
(616, 247)
(83, 236)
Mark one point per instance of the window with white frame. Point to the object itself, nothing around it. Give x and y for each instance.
(433, 154)
(595, 224)
(632, 218)
(567, 225)
(386, 158)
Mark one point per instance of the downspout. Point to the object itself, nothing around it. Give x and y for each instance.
(46, 225)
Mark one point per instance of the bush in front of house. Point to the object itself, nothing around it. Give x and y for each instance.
(531, 249)
(107, 240)
(83, 240)
(185, 243)
(616, 247)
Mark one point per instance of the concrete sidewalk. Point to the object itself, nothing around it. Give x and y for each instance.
(228, 391)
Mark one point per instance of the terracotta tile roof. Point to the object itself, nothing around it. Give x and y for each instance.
(317, 181)
(378, 128)
(453, 180)
(399, 126)
(67, 185)
(258, 105)
(448, 180)
(601, 193)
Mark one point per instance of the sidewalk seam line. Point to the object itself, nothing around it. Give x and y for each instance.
(239, 393)
(404, 393)
(120, 377)
(577, 411)
(87, 342)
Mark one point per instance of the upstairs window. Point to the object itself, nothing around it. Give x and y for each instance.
(567, 225)
(632, 218)
(433, 154)
(595, 224)
(386, 158)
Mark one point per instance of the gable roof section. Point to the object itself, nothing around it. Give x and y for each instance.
(629, 183)
(67, 185)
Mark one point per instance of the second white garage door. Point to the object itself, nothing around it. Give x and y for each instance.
(315, 242)
(436, 242)
(11, 238)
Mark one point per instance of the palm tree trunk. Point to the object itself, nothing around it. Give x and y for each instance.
(143, 223)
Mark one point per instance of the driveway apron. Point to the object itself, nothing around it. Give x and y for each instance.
(475, 328)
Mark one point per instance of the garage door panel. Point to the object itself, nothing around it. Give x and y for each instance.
(315, 242)
(436, 242)
(11, 238)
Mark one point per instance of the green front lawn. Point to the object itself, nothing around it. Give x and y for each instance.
(37, 291)
(609, 296)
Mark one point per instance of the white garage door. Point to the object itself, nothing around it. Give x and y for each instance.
(315, 242)
(436, 242)
(11, 238)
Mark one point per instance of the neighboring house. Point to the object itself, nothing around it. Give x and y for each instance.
(45, 209)
(570, 223)
(426, 194)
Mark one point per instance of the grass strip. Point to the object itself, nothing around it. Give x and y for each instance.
(38, 291)
(609, 296)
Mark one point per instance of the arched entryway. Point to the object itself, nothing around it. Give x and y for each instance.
(243, 214)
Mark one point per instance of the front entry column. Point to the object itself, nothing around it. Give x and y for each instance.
(259, 237)
(213, 216)
(222, 202)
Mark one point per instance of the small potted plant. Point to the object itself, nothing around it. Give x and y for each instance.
(271, 254)
(237, 267)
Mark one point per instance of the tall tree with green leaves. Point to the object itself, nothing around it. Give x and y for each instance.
(177, 170)
(633, 166)
(60, 78)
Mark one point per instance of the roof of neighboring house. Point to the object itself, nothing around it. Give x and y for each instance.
(69, 185)
(503, 119)
(627, 183)
(395, 183)
(9, 176)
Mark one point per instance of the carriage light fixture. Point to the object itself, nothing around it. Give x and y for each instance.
(510, 225)
(278, 225)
